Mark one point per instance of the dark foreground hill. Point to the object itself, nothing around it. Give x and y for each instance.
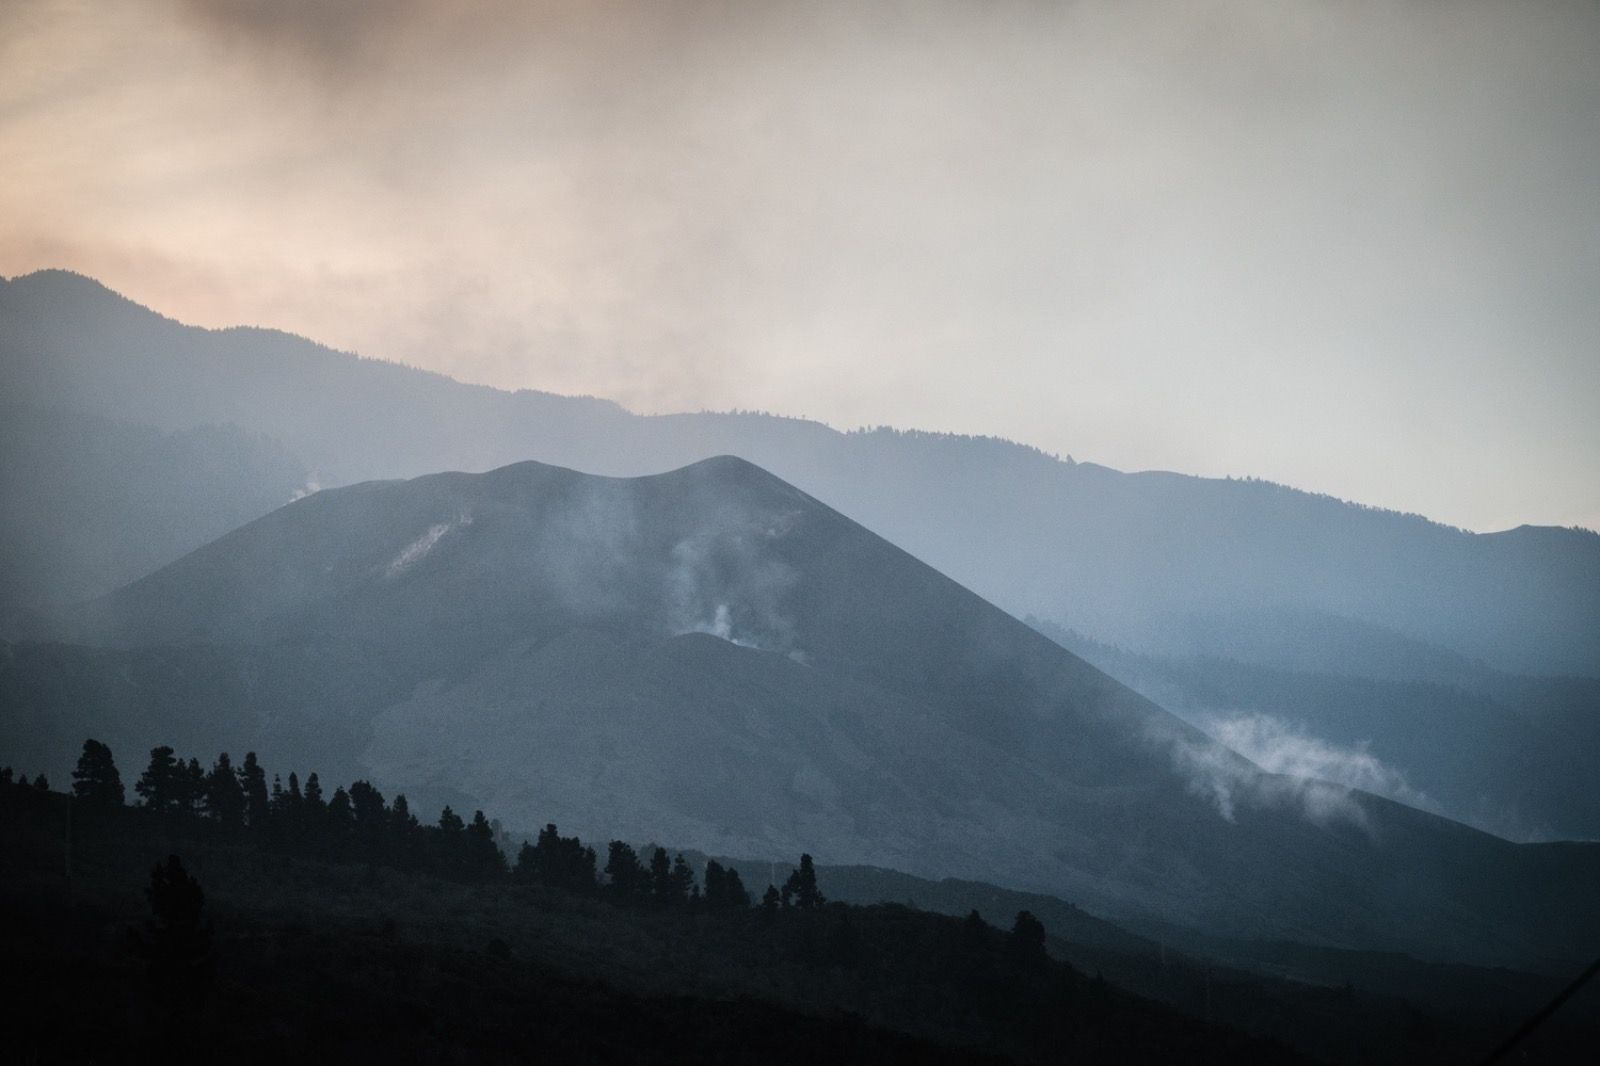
(315, 937)
(714, 658)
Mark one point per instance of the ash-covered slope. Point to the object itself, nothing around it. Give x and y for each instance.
(716, 659)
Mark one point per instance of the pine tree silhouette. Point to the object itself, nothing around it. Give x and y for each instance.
(627, 881)
(314, 801)
(225, 800)
(526, 868)
(369, 821)
(338, 823)
(451, 843)
(404, 833)
(253, 783)
(716, 879)
(800, 890)
(483, 857)
(734, 891)
(680, 882)
(557, 862)
(660, 878)
(161, 785)
(192, 788)
(96, 784)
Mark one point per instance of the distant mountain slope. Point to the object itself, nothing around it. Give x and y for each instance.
(87, 503)
(717, 658)
(1155, 561)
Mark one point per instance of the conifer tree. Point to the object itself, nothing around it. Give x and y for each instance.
(404, 832)
(370, 820)
(724, 890)
(680, 882)
(484, 860)
(715, 879)
(193, 795)
(223, 797)
(800, 889)
(526, 868)
(253, 783)
(315, 805)
(96, 783)
(559, 862)
(626, 878)
(733, 891)
(583, 878)
(541, 865)
(340, 816)
(450, 843)
(287, 812)
(366, 805)
(660, 878)
(161, 785)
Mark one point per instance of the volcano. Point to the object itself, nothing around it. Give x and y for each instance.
(712, 658)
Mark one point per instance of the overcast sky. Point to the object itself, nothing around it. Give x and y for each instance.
(1350, 246)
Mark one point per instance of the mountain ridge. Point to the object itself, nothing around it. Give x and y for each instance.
(1148, 549)
(99, 290)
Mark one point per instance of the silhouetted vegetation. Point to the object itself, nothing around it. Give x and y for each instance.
(556, 861)
(351, 924)
(96, 783)
(359, 823)
(800, 890)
